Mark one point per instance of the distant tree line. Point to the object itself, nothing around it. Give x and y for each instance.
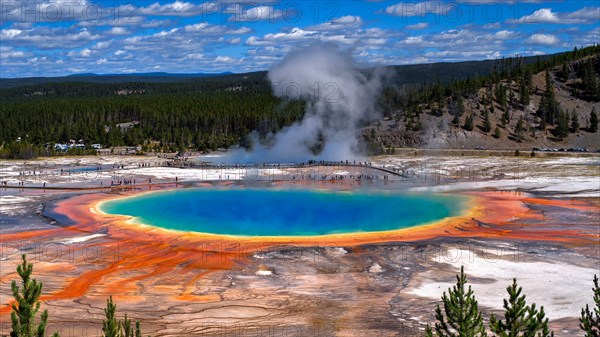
(167, 122)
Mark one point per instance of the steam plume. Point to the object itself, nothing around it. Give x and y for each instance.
(339, 97)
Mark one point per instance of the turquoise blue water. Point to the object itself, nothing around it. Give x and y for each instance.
(273, 212)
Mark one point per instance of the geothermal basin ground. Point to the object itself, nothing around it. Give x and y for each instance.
(536, 219)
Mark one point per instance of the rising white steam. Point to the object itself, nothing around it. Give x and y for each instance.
(339, 98)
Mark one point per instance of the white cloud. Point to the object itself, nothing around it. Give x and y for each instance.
(255, 41)
(344, 22)
(457, 55)
(180, 8)
(44, 37)
(118, 31)
(258, 13)
(543, 39)
(102, 45)
(299, 35)
(208, 29)
(493, 25)
(8, 34)
(413, 40)
(505, 34)
(194, 56)
(13, 54)
(418, 9)
(85, 53)
(225, 59)
(584, 38)
(458, 44)
(82, 53)
(294, 34)
(417, 26)
(586, 15)
(378, 41)
(544, 15)
(347, 20)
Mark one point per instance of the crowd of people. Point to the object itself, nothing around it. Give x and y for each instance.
(122, 174)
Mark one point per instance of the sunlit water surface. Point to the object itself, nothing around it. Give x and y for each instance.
(288, 212)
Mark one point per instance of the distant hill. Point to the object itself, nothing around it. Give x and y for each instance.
(446, 72)
(407, 75)
(157, 77)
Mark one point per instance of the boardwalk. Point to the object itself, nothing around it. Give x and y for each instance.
(106, 177)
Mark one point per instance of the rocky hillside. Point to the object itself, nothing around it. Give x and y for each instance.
(459, 121)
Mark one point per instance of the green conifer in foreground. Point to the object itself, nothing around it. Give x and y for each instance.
(25, 310)
(111, 327)
(520, 319)
(590, 319)
(461, 316)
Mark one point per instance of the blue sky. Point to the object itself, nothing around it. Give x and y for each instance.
(61, 37)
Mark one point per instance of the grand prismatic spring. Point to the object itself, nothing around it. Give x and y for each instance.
(276, 212)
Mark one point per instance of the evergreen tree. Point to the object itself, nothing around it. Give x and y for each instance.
(110, 326)
(590, 319)
(524, 94)
(460, 104)
(497, 133)
(520, 319)
(456, 120)
(138, 330)
(564, 72)
(456, 108)
(525, 88)
(468, 123)
(27, 304)
(487, 125)
(519, 129)
(461, 316)
(549, 108)
(593, 120)
(574, 121)
(562, 129)
(501, 96)
(505, 117)
(590, 82)
(127, 328)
